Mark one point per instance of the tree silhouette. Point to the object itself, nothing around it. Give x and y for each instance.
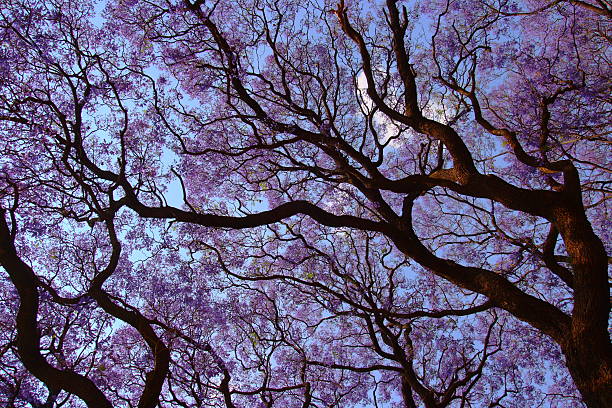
(285, 203)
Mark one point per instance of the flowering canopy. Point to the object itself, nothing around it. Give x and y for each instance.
(282, 203)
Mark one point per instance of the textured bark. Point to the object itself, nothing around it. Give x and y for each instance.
(587, 345)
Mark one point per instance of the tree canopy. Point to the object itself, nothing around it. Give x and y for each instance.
(313, 203)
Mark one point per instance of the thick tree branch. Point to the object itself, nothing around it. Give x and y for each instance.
(28, 335)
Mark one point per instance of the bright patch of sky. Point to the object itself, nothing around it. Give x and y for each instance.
(433, 110)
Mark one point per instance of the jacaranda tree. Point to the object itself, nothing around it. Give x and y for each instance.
(283, 203)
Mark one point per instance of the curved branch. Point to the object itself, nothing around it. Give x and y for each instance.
(28, 334)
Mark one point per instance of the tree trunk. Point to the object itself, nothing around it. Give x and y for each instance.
(591, 370)
(587, 347)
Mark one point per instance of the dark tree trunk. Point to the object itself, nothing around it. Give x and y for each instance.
(587, 346)
(591, 371)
